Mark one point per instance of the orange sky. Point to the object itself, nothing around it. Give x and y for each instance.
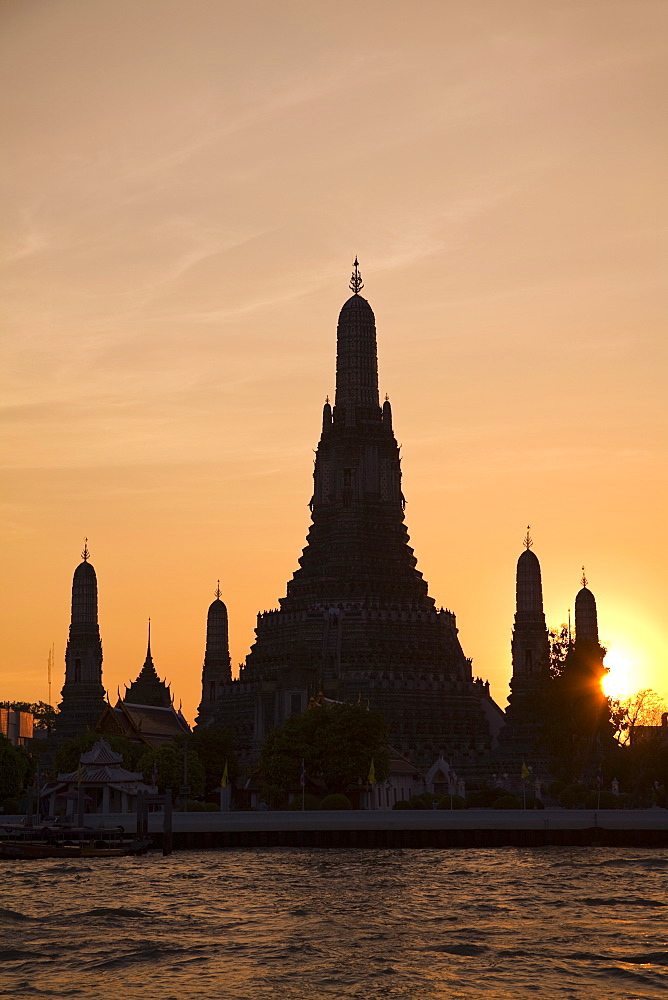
(185, 186)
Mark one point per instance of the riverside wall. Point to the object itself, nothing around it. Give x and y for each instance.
(458, 829)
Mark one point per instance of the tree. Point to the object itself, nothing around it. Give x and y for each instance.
(560, 641)
(69, 752)
(336, 742)
(576, 713)
(644, 708)
(214, 747)
(13, 769)
(168, 765)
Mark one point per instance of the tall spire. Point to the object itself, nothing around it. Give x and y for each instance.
(586, 614)
(356, 283)
(147, 688)
(149, 658)
(356, 396)
(529, 589)
(216, 669)
(82, 694)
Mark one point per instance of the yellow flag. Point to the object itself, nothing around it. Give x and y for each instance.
(79, 774)
(525, 771)
(372, 774)
(223, 780)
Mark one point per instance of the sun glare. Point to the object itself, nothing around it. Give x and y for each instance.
(620, 681)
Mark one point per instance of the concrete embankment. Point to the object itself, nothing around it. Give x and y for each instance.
(407, 829)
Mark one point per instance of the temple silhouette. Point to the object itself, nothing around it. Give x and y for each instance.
(357, 621)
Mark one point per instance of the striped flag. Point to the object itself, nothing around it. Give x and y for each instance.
(224, 779)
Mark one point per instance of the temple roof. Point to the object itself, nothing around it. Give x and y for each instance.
(151, 724)
(101, 764)
(101, 753)
(586, 616)
(148, 689)
(356, 307)
(217, 607)
(84, 572)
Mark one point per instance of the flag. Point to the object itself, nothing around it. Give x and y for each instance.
(79, 774)
(525, 771)
(154, 773)
(302, 776)
(223, 780)
(372, 774)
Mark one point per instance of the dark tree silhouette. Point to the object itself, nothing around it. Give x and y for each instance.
(337, 743)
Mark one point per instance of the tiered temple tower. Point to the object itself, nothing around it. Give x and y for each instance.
(522, 735)
(148, 689)
(586, 616)
(357, 620)
(216, 670)
(83, 697)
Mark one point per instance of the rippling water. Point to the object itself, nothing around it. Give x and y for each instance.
(308, 924)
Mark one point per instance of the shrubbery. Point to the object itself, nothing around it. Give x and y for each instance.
(507, 802)
(336, 801)
(310, 802)
(485, 797)
(452, 802)
(573, 797)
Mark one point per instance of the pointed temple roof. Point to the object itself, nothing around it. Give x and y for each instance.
(84, 593)
(529, 588)
(586, 615)
(217, 654)
(148, 689)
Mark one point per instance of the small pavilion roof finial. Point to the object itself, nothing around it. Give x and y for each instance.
(528, 540)
(585, 581)
(218, 591)
(85, 554)
(148, 646)
(356, 283)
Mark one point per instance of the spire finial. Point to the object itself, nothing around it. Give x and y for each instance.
(528, 541)
(85, 553)
(585, 581)
(327, 400)
(148, 648)
(218, 591)
(356, 283)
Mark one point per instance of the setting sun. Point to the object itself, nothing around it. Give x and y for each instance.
(620, 681)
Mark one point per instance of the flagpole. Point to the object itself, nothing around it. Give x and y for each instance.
(302, 779)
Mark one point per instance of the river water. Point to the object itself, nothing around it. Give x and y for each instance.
(308, 924)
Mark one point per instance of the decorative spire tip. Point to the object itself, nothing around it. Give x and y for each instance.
(528, 541)
(356, 283)
(218, 591)
(85, 554)
(585, 581)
